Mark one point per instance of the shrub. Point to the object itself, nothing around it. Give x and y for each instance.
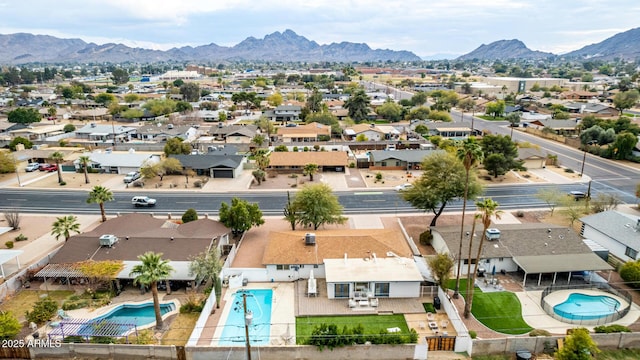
(9, 326)
(198, 184)
(473, 334)
(352, 165)
(63, 183)
(606, 329)
(193, 304)
(295, 149)
(102, 340)
(428, 307)
(73, 339)
(145, 337)
(539, 332)
(570, 171)
(426, 238)
(378, 176)
(189, 215)
(138, 184)
(75, 304)
(42, 311)
(9, 244)
(519, 213)
(21, 237)
(630, 273)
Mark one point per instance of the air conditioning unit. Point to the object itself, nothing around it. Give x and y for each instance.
(492, 234)
(108, 240)
(310, 239)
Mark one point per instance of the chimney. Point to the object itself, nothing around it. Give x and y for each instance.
(172, 238)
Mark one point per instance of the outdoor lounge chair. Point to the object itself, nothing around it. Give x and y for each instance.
(430, 316)
(63, 315)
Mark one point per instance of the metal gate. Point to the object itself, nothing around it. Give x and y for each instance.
(441, 343)
(14, 353)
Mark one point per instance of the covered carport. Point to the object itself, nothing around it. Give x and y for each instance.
(564, 263)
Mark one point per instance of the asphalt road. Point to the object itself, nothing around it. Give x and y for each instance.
(271, 203)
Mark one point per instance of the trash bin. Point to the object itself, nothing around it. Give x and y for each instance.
(523, 355)
(436, 303)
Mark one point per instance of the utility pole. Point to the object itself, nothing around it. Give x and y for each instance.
(248, 316)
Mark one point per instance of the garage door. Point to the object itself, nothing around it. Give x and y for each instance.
(225, 174)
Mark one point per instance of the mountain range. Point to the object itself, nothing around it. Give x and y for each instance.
(287, 46)
(625, 45)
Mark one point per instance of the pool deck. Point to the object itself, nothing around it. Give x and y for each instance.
(537, 318)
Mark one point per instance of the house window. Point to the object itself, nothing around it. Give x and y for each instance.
(397, 163)
(383, 163)
(341, 290)
(315, 266)
(382, 290)
(282, 267)
(631, 253)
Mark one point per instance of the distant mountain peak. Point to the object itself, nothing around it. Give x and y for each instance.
(625, 45)
(504, 49)
(277, 46)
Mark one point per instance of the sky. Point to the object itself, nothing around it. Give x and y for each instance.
(426, 28)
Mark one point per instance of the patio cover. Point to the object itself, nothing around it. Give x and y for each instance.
(180, 270)
(7, 255)
(561, 263)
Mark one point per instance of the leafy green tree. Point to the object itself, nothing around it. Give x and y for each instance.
(119, 76)
(496, 164)
(421, 129)
(262, 159)
(84, 161)
(131, 98)
(514, 120)
(42, 310)
(361, 138)
(310, 169)
(441, 266)
(439, 116)
(7, 162)
(207, 266)
(622, 148)
(625, 100)
(358, 106)
(151, 270)
(314, 101)
(160, 107)
(630, 273)
(58, 157)
(69, 128)
(168, 166)
(189, 216)
(419, 98)
(495, 108)
(266, 127)
(577, 346)
(241, 215)
(465, 105)
(258, 140)
(551, 196)
(316, 205)
(9, 326)
(430, 193)
(63, 226)
(275, 99)
(105, 99)
(390, 111)
(470, 153)
(176, 146)
(500, 154)
(99, 195)
(183, 106)
(259, 175)
(24, 116)
(420, 113)
(190, 92)
(487, 209)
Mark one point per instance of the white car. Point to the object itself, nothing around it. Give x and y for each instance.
(138, 201)
(405, 186)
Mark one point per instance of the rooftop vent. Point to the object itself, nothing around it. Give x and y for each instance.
(310, 239)
(492, 234)
(108, 240)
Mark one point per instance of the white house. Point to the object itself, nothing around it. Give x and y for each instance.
(119, 162)
(616, 231)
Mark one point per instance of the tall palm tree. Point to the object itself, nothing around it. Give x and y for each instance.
(58, 157)
(487, 208)
(470, 153)
(99, 195)
(63, 226)
(84, 162)
(151, 270)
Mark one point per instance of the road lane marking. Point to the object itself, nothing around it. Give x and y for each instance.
(369, 193)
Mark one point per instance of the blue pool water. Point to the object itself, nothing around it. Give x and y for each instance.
(259, 303)
(587, 307)
(135, 314)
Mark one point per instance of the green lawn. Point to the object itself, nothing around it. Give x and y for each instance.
(25, 299)
(372, 324)
(500, 311)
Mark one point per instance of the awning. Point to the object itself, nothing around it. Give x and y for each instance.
(561, 263)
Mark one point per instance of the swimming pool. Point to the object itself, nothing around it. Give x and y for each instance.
(259, 303)
(586, 307)
(140, 315)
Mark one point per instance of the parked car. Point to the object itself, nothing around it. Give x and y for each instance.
(32, 167)
(52, 168)
(139, 201)
(131, 177)
(577, 195)
(405, 186)
(43, 167)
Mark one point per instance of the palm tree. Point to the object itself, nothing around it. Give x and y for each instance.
(58, 157)
(63, 226)
(99, 195)
(84, 162)
(487, 209)
(310, 169)
(151, 270)
(470, 152)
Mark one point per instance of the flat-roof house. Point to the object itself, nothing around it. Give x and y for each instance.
(616, 231)
(38, 133)
(311, 132)
(213, 165)
(118, 162)
(398, 159)
(101, 133)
